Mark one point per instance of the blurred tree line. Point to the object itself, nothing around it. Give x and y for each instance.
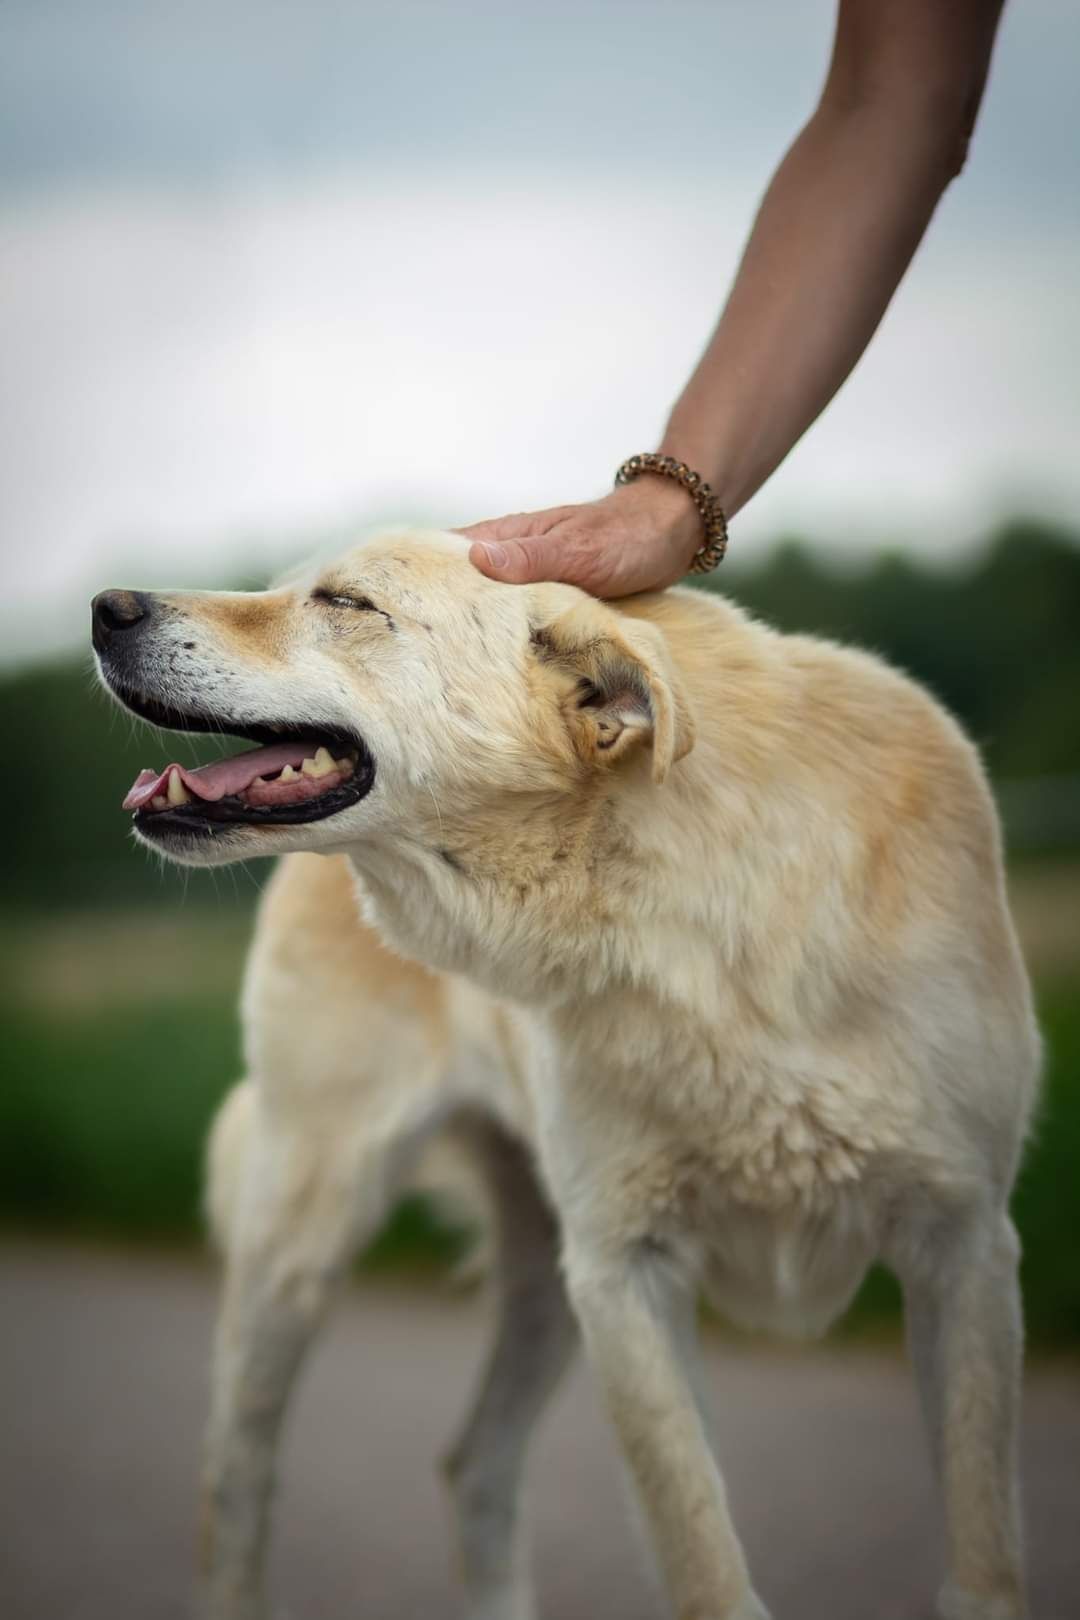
(997, 638)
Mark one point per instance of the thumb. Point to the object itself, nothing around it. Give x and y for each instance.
(516, 562)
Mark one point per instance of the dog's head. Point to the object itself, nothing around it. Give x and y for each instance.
(396, 691)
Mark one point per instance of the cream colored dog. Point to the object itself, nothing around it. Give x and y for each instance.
(711, 919)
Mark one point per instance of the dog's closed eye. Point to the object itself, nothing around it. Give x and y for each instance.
(341, 599)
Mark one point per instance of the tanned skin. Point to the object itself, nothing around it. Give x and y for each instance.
(836, 230)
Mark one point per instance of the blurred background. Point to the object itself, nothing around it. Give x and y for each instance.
(276, 272)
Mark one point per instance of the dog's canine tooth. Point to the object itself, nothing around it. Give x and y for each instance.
(288, 774)
(159, 802)
(178, 793)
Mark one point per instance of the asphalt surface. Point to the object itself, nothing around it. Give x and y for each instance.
(103, 1377)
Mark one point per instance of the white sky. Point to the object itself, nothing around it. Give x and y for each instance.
(269, 271)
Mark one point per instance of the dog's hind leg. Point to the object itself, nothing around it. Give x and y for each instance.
(962, 1305)
(534, 1339)
(291, 1207)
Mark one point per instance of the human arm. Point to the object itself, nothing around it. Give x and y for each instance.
(836, 230)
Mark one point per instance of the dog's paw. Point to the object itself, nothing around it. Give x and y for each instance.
(956, 1604)
(502, 1603)
(749, 1607)
(234, 1605)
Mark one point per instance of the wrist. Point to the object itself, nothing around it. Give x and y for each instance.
(710, 515)
(665, 507)
(704, 460)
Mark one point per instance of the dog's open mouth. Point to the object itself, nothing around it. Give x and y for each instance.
(294, 775)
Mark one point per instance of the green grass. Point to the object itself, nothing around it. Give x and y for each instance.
(103, 1112)
(1047, 1202)
(106, 1100)
(103, 1117)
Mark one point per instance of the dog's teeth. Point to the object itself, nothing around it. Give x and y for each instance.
(343, 765)
(178, 793)
(159, 802)
(288, 775)
(321, 765)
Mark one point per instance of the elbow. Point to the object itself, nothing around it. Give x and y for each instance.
(948, 122)
(956, 142)
(913, 75)
(936, 122)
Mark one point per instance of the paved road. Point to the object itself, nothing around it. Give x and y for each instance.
(102, 1392)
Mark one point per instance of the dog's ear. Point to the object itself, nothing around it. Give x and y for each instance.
(620, 686)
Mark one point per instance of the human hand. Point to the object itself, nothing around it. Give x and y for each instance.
(641, 537)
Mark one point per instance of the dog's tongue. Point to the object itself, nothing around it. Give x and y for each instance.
(224, 776)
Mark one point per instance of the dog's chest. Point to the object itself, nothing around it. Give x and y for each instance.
(777, 1264)
(791, 1274)
(755, 1164)
(771, 1127)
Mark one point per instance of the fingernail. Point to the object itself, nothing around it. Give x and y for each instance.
(495, 554)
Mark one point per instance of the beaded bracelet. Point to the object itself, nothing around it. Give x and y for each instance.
(711, 551)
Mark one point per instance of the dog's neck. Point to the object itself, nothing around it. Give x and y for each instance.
(547, 907)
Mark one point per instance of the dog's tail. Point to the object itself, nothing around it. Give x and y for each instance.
(225, 1154)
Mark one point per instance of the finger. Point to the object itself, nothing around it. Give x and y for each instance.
(604, 562)
(517, 562)
(515, 526)
(501, 528)
(568, 559)
(610, 566)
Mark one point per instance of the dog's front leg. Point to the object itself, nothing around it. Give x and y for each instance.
(303, 1203)
(964, 1328)
(628, 1314)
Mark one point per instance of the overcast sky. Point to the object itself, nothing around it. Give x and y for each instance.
(269, 271)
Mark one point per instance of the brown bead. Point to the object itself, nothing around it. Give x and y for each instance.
(712, 550)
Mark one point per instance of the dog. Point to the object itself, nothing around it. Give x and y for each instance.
(688, 938)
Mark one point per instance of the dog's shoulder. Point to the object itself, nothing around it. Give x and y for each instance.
(812, 707)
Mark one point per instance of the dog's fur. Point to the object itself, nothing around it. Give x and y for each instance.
(713, 930)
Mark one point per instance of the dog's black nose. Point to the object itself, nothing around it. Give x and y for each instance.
(114, 611)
